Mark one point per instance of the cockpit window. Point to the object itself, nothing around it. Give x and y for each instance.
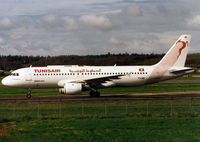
(14, 74)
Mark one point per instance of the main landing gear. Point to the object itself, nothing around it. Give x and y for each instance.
(28, 95)
(94, 93)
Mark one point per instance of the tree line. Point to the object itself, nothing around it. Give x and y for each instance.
(14, 62)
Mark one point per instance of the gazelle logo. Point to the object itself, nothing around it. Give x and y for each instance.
(181, 45)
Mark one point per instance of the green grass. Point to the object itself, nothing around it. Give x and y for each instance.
(98, 109)
(159, 87)
(195, 73)
(101, 121)
(187, 78)
(105, 129)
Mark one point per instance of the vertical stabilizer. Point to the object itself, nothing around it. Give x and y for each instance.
(177, 54)
(175, 57)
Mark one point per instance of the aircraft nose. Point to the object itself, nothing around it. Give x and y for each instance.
(5, 81)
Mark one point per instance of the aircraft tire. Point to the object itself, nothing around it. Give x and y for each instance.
(94, 93)
(28, 95)
(97, 94)
(91, 93)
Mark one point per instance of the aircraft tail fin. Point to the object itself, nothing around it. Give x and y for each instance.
(177, 54)
(173, 61)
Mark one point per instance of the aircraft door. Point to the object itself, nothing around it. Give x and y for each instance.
(28, 76)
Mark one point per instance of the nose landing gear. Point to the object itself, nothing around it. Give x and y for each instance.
(28, 95)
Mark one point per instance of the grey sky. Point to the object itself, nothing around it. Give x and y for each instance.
(49, 27)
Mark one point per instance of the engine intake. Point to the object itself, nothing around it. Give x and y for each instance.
(71, 88)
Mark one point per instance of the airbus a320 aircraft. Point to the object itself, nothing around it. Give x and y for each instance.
(73, 79)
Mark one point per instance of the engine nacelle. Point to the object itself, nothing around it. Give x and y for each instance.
(71, 88)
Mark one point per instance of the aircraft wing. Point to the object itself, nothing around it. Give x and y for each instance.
(92, 82)
(100, 80)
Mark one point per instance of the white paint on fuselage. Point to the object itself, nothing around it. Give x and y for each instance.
(29, 78)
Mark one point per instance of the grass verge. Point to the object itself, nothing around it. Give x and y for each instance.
(150, 120)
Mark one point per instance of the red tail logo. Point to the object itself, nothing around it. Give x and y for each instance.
(183, 46)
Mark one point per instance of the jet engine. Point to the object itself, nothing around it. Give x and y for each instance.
(71, 88)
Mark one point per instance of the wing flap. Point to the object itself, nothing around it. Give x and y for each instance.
(100, 80)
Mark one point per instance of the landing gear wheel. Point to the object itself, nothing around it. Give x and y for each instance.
(28, 95)
(94, 93)
(91, 93)
(97, 94)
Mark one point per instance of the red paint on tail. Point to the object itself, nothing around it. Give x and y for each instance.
(183, 46)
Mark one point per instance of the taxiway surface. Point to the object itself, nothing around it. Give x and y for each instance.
(106, 97)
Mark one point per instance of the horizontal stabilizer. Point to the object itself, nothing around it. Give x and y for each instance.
(182, 70)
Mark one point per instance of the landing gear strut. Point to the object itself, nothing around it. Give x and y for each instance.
(94, 93)
(28, 95)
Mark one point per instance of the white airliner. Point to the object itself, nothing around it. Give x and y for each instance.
(73, 79)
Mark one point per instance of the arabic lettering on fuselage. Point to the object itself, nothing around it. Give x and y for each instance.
(84, 70)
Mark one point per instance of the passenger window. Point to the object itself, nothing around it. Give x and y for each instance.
(14, 74)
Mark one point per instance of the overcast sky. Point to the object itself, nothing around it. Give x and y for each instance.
(81, 27)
